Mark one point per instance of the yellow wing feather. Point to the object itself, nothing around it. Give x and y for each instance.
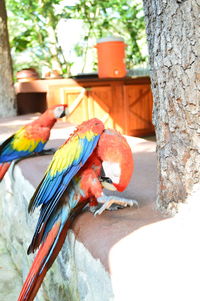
(60, 161)
(73, 150)
(22, 142)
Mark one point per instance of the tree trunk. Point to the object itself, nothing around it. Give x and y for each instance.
(7, 94)
(173, 34)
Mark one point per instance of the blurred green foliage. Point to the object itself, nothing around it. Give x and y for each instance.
(33, 26)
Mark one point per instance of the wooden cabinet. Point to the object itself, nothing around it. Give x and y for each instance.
(138, 103)
(124, 104)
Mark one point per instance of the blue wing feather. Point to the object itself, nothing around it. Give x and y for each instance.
(9, 154)
(47, 219)
(48, 207)
(55, 186)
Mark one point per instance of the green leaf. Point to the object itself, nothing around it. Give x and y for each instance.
(33, 28)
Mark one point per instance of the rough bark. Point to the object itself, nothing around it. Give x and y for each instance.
(173, 34)
(7, 94)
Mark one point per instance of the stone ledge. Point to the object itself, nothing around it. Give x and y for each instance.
(123, 255)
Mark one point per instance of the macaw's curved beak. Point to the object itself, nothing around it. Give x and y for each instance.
(65, 112)
(107, 183)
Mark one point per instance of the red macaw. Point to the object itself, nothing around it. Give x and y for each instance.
(92, 158)
(29, 139)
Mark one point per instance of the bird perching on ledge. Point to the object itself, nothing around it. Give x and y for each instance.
(30, 139)
(92, 158)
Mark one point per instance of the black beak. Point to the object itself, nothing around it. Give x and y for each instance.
(63, 114)
(105, 179)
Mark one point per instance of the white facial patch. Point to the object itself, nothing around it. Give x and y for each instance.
(112, 170)
(58, 111)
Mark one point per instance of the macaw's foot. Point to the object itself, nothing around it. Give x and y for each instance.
(94, 209)
(92, 206)
(108, 201)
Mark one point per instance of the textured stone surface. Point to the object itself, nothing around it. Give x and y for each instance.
(10, 279)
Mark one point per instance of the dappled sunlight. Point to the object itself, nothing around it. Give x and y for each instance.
(141, 145)
(162, 254)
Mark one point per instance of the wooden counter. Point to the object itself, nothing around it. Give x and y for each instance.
(124, 104)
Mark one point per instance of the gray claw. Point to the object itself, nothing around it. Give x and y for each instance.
(109, 201)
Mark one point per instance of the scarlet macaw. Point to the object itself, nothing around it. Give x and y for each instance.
(29, 139)
(92, 158)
